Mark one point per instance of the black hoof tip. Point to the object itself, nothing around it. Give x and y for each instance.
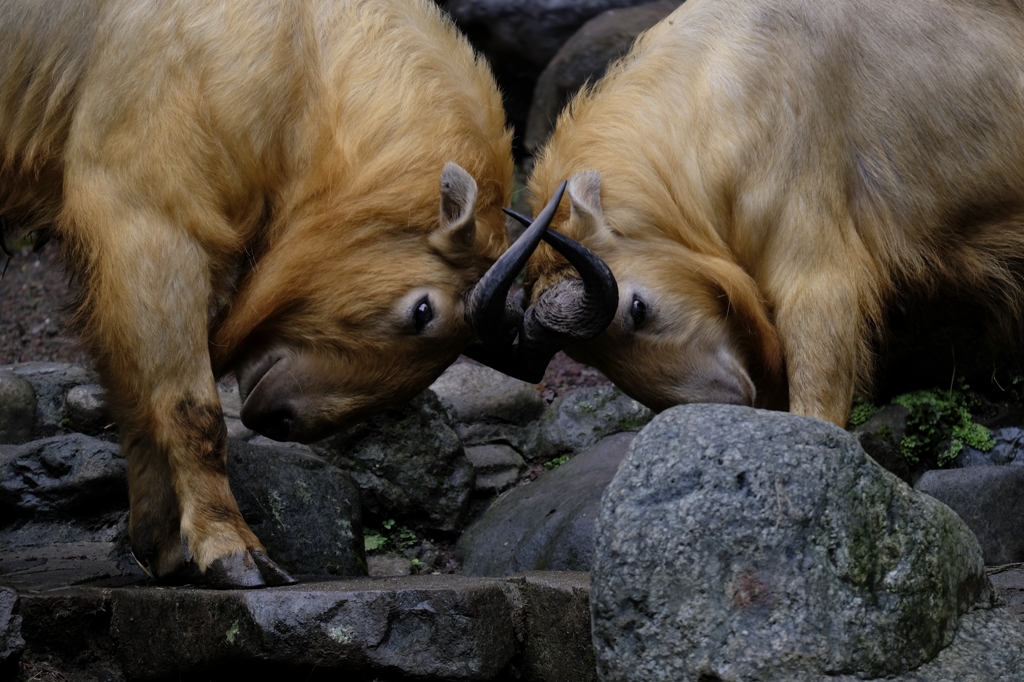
(271, 572)
(234, 572)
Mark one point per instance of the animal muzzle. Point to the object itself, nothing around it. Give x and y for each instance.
(521, 341)
(264, 409)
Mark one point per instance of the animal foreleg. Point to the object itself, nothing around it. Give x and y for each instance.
(822, 328)
(147, 296)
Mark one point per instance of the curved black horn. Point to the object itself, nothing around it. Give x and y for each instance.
(488, 302)
(582, 309)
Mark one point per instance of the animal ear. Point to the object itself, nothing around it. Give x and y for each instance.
(585, 198)
(457, 233)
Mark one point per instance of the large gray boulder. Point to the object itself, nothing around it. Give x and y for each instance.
(549, 524)
(585, 57)
(737, 544)
(408, 463)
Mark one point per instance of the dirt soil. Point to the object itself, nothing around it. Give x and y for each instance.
(35, 300)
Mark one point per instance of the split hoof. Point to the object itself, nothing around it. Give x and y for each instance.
(242, 570)
(245, 570)
(271, 572)
(235, 571)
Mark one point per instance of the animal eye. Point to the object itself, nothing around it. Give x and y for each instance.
(422, 314)
(639, 312)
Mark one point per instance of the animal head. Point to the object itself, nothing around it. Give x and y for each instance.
(386, 213)
(688, 326)
(360, 309)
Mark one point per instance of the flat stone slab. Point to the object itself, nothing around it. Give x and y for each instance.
(422, 627)
(449, 627)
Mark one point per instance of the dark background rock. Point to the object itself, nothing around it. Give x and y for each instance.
(17, 408)
(497, 467)
(519, 38)
(549, 524)
(73, 476)
(64, 508)
(488, 407)
(408, 463)
(584, 416)
(48, 555)
(585, 56)
(64, 513)
(990, 500)
(85, 411)
(1007, 450)
(304, 511)
(51, 382)
(11, 642)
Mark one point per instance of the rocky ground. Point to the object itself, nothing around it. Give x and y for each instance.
(35, 298)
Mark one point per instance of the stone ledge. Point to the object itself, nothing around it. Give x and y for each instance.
(530, 626)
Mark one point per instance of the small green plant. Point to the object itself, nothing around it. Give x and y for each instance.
(373, 541)
(556, 462)
(938, 416)
(861, 411)
(404, 538)
(389, 537)
(1017, 386)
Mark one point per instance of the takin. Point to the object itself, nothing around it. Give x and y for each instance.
(302, 192)
(765, 179)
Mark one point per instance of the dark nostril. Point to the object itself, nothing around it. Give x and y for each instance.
(277, 424)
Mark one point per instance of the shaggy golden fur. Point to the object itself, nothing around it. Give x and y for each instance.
(250, 183)
(772, 175)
